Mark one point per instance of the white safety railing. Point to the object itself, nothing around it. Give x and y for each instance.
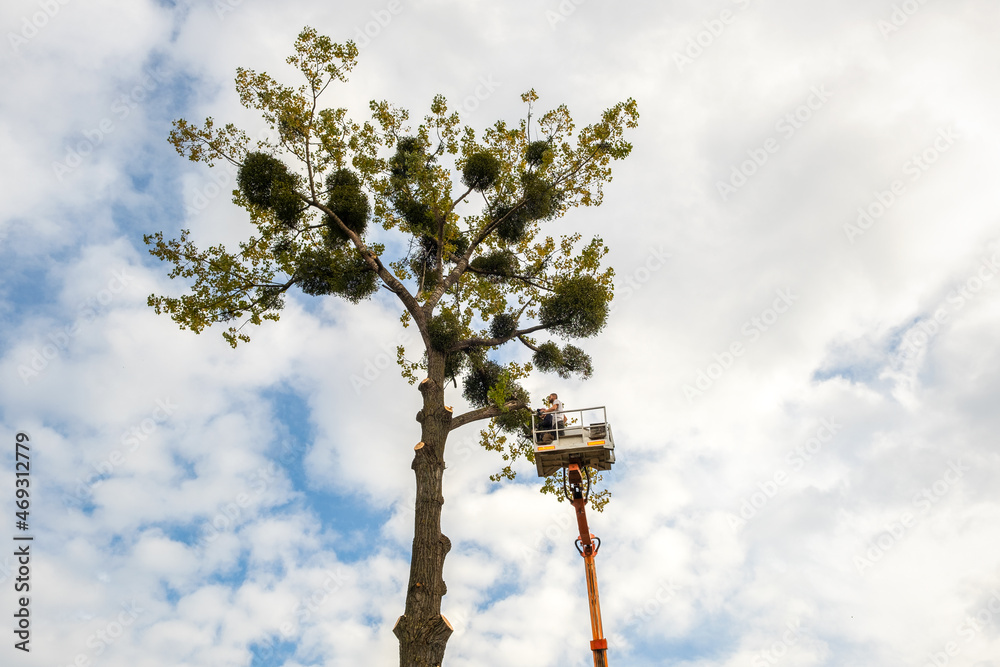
(588, 423)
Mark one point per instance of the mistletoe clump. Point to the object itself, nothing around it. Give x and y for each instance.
(503, 325)
(341, 272)
(514, 222)
(577, 309)
(348, 202)
(444, 331)
(480, 171)
(266, 182)
(541, 199)
(566, 362)
(489, 383)
(535, 153)
(497, 265)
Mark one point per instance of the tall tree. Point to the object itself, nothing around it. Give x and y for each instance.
(474, 272)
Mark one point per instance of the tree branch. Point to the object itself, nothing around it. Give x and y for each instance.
(460, 198)
(488, 412)
(373, 261)
(527, 344)
(524, 279)
(464, 261)
(493, 342)
(308, 132)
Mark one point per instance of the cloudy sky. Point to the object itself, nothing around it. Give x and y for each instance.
(800, 369)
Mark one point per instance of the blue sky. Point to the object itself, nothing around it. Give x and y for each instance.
(801, 369)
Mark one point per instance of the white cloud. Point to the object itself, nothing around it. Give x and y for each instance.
(259, 498)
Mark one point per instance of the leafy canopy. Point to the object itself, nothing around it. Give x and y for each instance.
(448, 221)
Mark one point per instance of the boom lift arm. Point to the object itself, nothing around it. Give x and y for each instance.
(576, 446)
(588, 545)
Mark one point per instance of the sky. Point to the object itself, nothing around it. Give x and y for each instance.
(800, 367)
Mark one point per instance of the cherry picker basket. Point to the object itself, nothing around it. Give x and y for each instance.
(581, 436)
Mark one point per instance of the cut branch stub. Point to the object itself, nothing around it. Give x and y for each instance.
(422, 641)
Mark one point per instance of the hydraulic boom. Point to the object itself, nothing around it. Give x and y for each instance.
(578, 441)
(588, 546)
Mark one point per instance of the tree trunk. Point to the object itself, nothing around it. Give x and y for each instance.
(422, 631)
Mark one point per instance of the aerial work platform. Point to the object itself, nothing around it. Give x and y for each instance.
(576, 442)
(581, 437)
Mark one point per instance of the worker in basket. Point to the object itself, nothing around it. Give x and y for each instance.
(550, 420)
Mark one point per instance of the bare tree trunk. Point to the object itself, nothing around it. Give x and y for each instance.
(422, 631)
